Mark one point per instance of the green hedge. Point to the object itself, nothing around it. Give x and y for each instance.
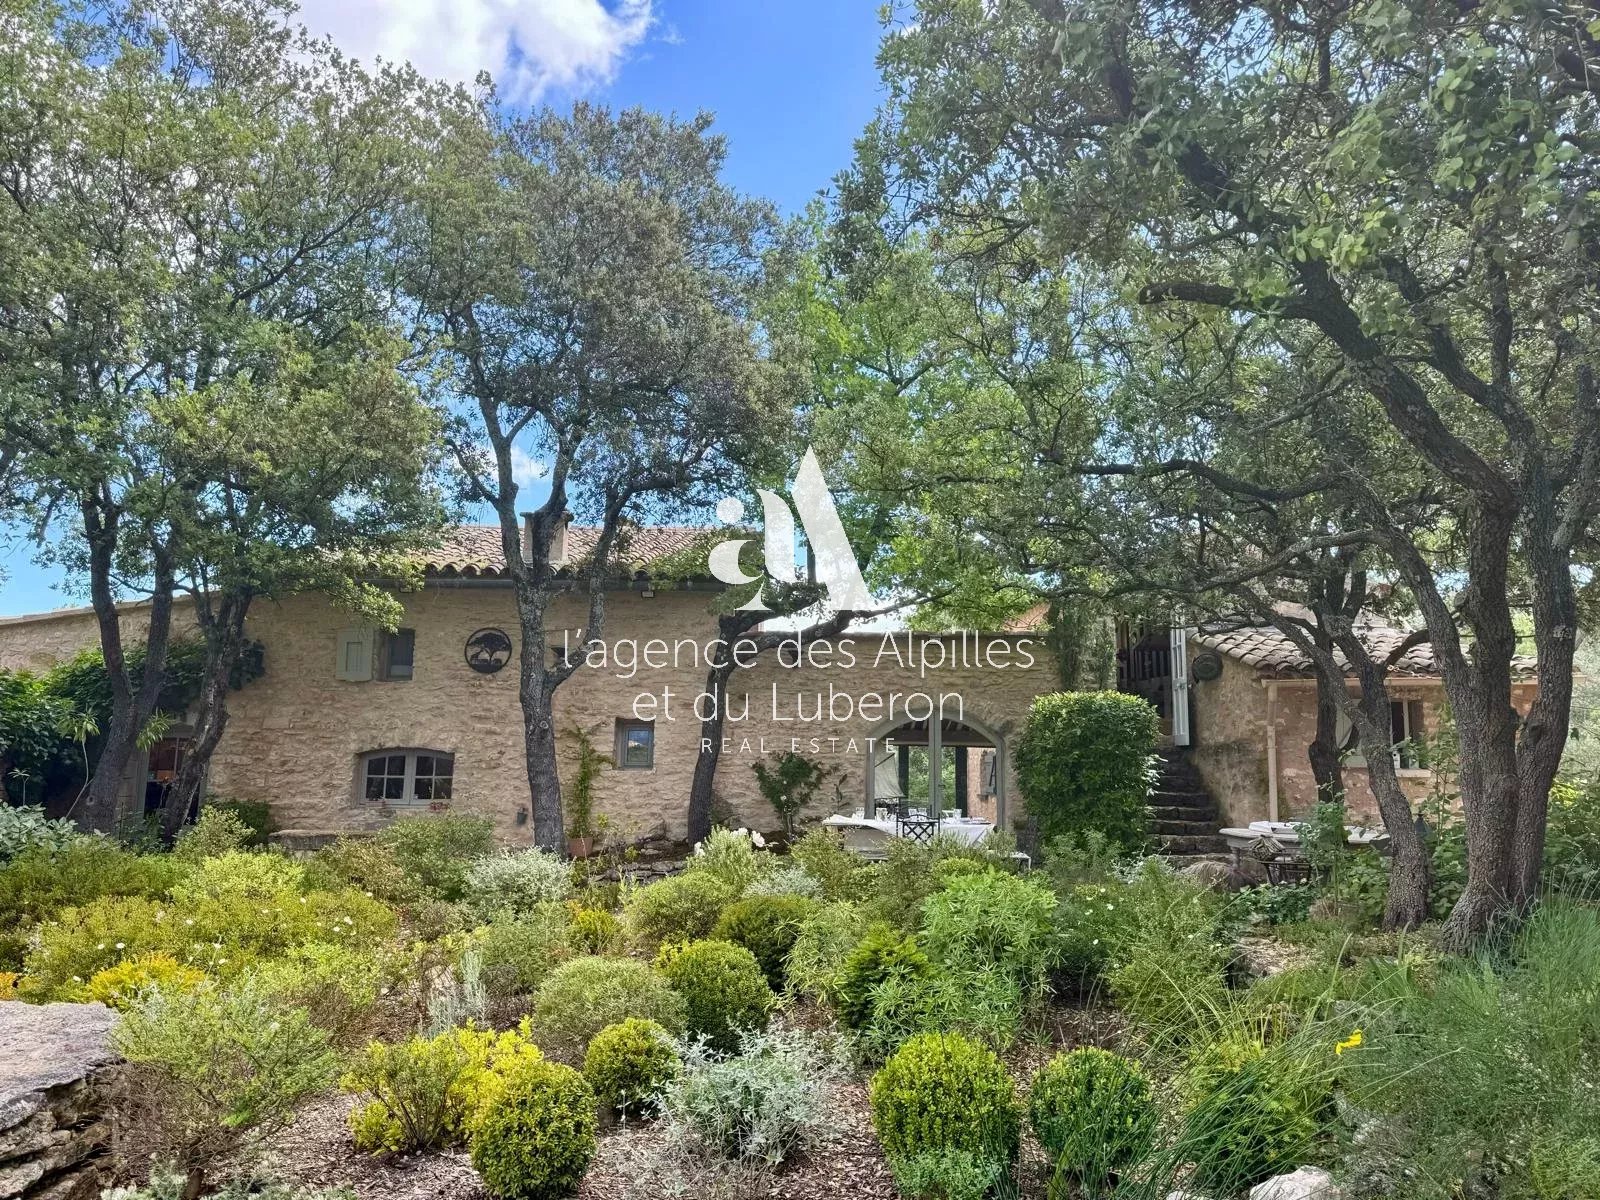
(1084, 763)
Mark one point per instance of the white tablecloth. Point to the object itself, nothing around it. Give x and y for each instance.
(868, 834)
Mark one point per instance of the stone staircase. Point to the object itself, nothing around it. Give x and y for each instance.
(1183, 817)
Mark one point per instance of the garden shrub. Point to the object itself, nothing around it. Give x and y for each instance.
(1087, 856)
(993, 921)
(1084, 763)
(943, 1092)
(1252, 1115)
(370, 866)
(947, 1175)
(679, 908)
(984, 1004)
(1168, 972)
(515, 881)
(627, 1065)
(121, 986)
(1093, 1111)
(81, 942)
(237, 875)
(24, 827)
(594, 930)
(840, 874)
(821, 943)
(883, 955)
(42, 882)
(1092, 923)
(425, 1092)
(256, 815)
(338, 985)
(787, 880)
(1572, 839)
(912, 872)
(438, 851)
(215, 1061)
(536, 1139)
(734, 857)
(724, 991)
(767, 926)
(217, 831)
(758, 1106)
(581, 997)
(517, 953)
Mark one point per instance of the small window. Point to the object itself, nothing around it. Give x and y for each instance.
(1405, 718)
(636, 745)
(399, 653)
(407, 776)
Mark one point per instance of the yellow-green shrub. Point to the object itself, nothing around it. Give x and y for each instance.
(628, 1063)
(426, 1092)
(583, 996)
(121, 985)
(681, 908)
(594, 930)
(1093, 1111)
(723, 989)
(535, 1140)
(943, 1092)
(81, 942)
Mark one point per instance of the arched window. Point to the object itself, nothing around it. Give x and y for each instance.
(407, 776)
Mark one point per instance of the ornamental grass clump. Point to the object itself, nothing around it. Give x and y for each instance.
(1094, 1113)
(945, 1092)
(535, 1139)
(725, 994)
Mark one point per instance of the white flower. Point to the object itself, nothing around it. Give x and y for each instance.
(188, 920)
(757, 840)
(120, 945)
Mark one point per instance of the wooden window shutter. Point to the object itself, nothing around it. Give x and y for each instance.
(355, 656)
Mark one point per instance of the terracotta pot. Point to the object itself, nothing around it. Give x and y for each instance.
(580, 847)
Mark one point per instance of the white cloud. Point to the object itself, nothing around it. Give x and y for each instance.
(526, 469)
(529, 46)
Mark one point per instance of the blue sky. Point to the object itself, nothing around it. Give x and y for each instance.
(792, 82)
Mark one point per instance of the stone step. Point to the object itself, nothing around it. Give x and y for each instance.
(1171, 844)
(1164, 827)
(1181, 812)
(1163, 798)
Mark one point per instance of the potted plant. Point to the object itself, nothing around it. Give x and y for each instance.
(580, 799)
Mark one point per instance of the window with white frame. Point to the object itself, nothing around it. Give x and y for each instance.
(407, 776)
(1408, 731)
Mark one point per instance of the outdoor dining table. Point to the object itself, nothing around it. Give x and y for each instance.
(869, 836)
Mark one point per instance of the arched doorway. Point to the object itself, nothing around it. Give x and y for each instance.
(941, 767)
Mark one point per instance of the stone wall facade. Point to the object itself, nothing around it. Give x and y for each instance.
(1232, 714)
(297, 736)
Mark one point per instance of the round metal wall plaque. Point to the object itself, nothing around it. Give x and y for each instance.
(1207, 666)
(488, 650)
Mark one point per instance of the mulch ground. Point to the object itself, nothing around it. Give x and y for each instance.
(316, 1150)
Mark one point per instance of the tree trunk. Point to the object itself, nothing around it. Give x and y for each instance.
(705, 765)
(1324, 747)
(536, 691)
(132, 701)
(224, 633)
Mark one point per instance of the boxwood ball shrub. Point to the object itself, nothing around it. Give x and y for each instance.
(1093, 1111)
(584, 995)
(767, 926)
(628, 1064)
(680, 908)
(535, 1140)
(724, 992)
(1083, 763)
(941, 1092)
(884, 955)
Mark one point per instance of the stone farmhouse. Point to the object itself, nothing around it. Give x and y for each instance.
(349, 726)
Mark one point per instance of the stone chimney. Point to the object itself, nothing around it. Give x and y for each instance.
(559, 551)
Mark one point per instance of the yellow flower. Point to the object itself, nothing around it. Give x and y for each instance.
(1350, 1043)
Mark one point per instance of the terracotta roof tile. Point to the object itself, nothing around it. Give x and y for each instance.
(1264, 647)
(475, 549)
